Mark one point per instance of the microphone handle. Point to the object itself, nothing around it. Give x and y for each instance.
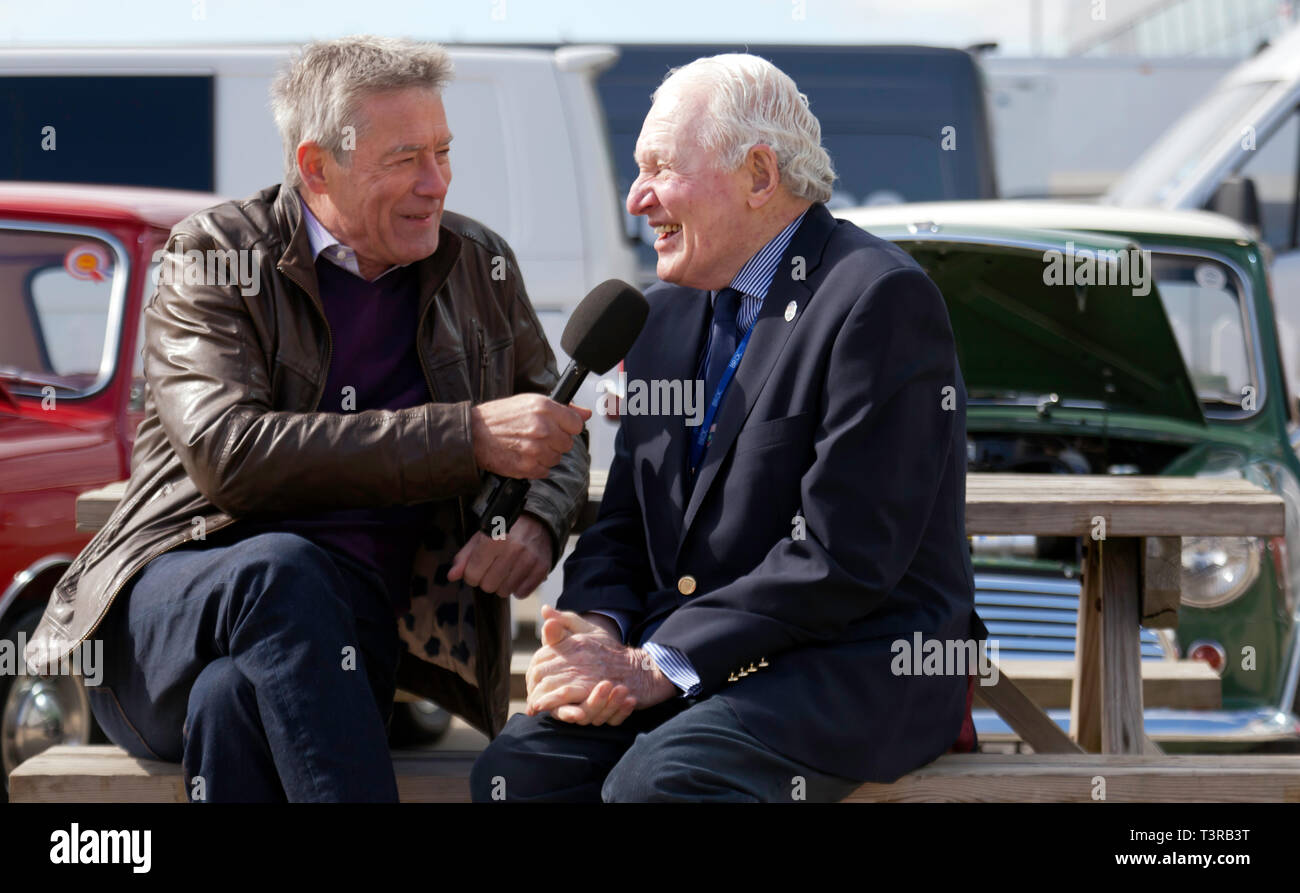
(567, 387)
(500, 500)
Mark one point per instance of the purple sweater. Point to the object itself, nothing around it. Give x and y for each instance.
(373, 326)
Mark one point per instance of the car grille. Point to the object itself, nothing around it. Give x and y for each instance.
(1034, 616)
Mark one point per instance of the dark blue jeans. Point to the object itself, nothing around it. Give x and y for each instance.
(265, 666)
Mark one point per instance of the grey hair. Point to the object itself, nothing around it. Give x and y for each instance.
(749, 101)
(322, 90)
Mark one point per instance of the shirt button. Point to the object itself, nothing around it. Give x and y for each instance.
(686, 585)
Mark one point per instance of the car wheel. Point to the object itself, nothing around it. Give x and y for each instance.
(37, 712)
(417, 723)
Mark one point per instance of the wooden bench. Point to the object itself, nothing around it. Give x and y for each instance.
(1106, 688)
(106, 774)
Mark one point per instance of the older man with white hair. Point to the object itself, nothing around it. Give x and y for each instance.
(726, 628)
(294, 537)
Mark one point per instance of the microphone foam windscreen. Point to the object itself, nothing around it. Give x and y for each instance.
(603, 327)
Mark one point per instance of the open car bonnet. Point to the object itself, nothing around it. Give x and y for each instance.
(1052, 312)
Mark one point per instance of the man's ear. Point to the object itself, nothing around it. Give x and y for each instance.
(311, 166)
(764, 178)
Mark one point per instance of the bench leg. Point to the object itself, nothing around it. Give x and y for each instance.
(1026, 718)
(1121, 655)
(1085, 694)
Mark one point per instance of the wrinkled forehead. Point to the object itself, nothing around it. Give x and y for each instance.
(674, 119)
(379, 109)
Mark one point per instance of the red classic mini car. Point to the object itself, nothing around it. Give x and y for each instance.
(77, 265)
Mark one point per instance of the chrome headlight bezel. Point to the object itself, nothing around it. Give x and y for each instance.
(1205, 558)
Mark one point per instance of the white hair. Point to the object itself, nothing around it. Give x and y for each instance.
(749, 101)
(322, 91)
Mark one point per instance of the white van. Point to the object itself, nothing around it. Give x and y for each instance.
(530, 160)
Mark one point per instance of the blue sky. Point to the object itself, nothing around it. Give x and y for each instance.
(171, 22)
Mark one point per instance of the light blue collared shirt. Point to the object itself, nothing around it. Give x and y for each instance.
(753, 282)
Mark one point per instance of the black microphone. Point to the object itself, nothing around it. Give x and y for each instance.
(599, 334)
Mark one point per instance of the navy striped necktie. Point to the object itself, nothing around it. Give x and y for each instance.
(724, 338)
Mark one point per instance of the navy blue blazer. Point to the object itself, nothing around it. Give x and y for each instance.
(851, 415)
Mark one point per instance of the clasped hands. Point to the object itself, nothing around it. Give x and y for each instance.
(584, 674)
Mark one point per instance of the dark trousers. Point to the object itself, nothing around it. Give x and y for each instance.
(683, 750)
(265, 666)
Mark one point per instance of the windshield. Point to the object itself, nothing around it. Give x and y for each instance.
(61, 292)
(1166, 165)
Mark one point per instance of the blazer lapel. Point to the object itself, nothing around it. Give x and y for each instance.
(770, 334)
(680, 352)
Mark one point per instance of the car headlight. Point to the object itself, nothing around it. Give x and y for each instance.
(1218, 569)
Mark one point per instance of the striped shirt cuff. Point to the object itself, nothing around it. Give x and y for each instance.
(673, 664)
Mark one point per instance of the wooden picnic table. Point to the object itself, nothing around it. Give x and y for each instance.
(1131, 577)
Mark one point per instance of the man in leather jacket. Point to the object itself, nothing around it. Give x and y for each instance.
(293, 542)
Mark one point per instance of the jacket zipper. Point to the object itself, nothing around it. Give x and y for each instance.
(484, 701)
(484, 704)
(482, 359)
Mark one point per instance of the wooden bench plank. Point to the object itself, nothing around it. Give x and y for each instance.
(996, 503)
(1175, 684)
(103, 773)
(95, 506)
(1065, 505)
(1055, 778)
(97, 773)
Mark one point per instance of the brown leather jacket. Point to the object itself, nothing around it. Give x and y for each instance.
(230, 430)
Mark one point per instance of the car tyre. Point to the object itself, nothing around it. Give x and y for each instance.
(417, 723)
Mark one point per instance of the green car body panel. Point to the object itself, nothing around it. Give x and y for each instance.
(1099, 363)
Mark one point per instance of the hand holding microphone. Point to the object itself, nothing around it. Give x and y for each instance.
(522, 437)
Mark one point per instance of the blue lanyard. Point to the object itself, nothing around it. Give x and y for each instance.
(703, 435)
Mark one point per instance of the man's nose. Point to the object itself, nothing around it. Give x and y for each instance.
(640, 198)
(433, 182)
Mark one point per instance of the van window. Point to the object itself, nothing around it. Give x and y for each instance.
(116, 130)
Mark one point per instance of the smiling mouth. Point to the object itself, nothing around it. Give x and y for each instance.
(419, 218)
(666, 231)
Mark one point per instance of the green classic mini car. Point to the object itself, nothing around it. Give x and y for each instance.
(1099, 340)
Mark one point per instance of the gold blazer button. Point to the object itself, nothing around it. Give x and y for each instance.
(686, 585)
